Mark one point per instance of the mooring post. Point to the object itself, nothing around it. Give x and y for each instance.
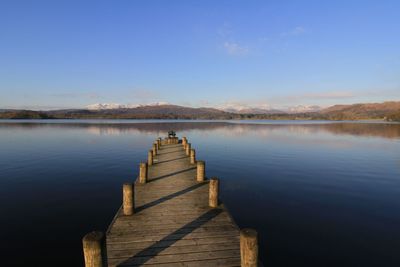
(150, 157)
(192, 156)
(200, 170)
(184, 141)
(158, 144)
(154, 150)
(248, 247)
(127, 202)
(188, 149)
(213, 195)
(143, 173)
(93, 249)
(159, 141)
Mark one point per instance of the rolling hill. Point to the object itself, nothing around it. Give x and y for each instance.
(361, 111)
(386, 110)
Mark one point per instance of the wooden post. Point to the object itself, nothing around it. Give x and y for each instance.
(188, 149)
(159, 143)
(184, 141)
(128, 197)
(200, 170)
(192, 156)
(143, 173)
(154, 150)
(150, 158)
(248, 248)
(93, 249)
(156, 143)
(213, 195)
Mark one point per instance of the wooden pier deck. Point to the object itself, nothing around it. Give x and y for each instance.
(172, 224)
(171, 216)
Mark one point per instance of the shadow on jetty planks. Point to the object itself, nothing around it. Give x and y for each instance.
(172, 222)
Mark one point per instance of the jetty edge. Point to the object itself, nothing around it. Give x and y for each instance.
(172, 216)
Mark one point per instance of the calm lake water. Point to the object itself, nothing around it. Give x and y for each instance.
(320, 194)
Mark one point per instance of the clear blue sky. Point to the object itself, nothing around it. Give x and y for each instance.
(56, 54)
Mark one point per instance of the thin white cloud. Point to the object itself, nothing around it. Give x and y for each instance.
(225, 31)
(233, 48)
(297, 31)
(226, 40)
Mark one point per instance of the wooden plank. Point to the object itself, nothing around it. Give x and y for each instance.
(182, 242)
(155, 237)
(173, 224)
(230, 262)
(171, 250)
(196, 256)
(167, 223)
(197, 228)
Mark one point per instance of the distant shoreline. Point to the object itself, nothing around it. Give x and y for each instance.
(245, 121)
(387, 111)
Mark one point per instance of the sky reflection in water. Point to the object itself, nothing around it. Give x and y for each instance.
(321, 194)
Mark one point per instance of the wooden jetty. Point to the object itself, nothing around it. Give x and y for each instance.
(171, 216)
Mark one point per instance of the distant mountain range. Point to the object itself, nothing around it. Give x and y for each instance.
(386, 110)
(231, 108)
(303, 109)
(104, 106)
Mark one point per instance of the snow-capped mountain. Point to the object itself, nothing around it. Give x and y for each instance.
(266, 109)
(229, 107)
(104, 106)
(101, 106)
(247, 109)
(303, 109)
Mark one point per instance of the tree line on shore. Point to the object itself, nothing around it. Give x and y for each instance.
(87, 114)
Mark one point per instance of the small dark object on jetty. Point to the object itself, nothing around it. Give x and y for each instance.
(171, 134)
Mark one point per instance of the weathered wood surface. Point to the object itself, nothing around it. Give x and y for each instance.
(173, 224)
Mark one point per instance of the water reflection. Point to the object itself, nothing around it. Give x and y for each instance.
(227, 128)
(329, 188)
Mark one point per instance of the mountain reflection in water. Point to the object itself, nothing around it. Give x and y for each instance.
(386, 130)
